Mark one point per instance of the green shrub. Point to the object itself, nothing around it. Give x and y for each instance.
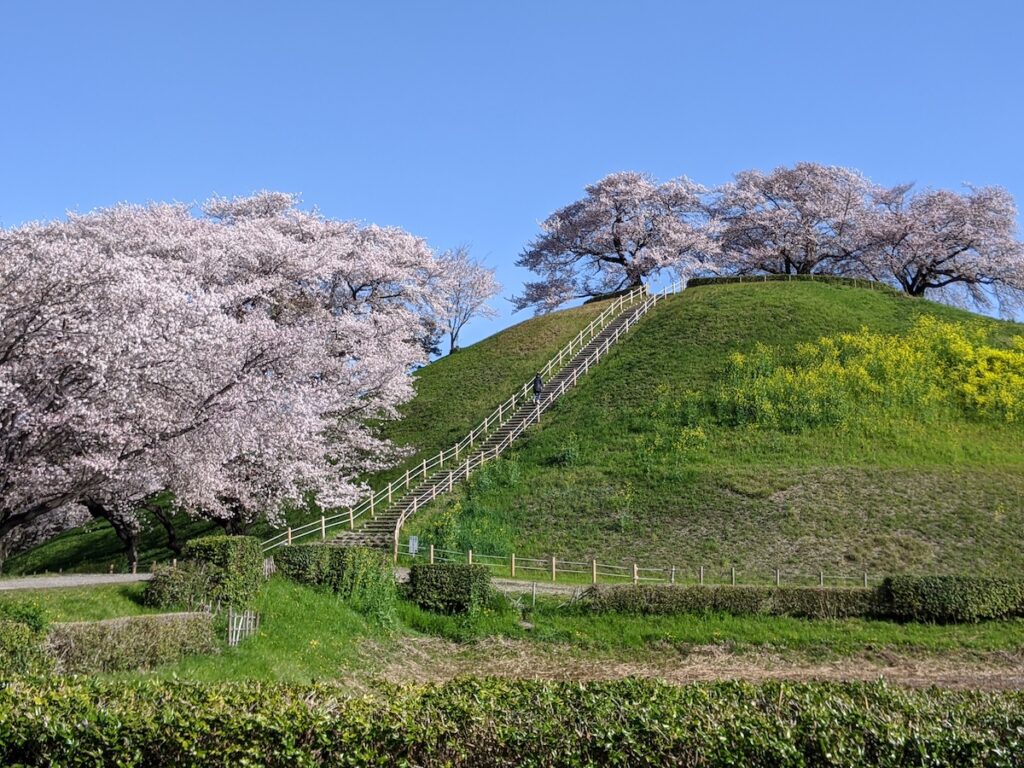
(449, 587)
(950, 599)
(23, 612)
(237, 563)
(495, 722)
(304, 563)
(801, 602)
(365, 578)
(188, 586)
(21, 650)
(130, 642)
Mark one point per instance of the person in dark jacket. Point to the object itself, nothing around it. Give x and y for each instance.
(538, 387)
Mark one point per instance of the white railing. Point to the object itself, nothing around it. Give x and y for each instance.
(394, 490)
(478, 459)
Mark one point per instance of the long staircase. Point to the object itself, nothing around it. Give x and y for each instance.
(384, 513)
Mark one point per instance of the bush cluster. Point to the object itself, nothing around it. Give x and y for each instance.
(365, 578)
(801, 602)
(130, 642)
(219, 571)
(21, 650)
(953, 599)
(484, 723)
(449, 587)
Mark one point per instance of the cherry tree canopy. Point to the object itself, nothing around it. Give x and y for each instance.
(462, 293)
(232, 358)
(963, 245)
(628, 226)
(800, 220)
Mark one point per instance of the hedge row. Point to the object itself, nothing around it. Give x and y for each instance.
(21, 650)
(364, 577)
(940, 599)
(130, 642)
(802, 602)
(500, 722)
(860, 282)
(449, 587)
(218, 571)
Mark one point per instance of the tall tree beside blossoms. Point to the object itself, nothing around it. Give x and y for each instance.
(232, 359)
(801, 220)
(962, 245)
(463, 291)
(627, 227)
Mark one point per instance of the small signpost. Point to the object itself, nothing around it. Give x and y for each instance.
(414, 545)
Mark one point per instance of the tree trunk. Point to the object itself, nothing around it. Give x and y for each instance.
(167, 521)
(126, 532)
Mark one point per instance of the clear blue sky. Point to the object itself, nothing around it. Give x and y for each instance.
(468, 122)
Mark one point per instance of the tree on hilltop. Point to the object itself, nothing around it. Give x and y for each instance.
(626, 228)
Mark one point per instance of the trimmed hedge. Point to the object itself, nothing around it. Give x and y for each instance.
(304, 563)
(23, 612)
(130, 642)
(238, 564)
(953, 599)
(21, 650)
(449, 587)
(485, 723)
(188, 586)
(803, 602)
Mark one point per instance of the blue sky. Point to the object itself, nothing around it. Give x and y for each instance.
(468, 122)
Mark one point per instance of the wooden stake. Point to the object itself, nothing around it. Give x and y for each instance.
(351, 519)
(778, 577)
(513, 565)
(672, 576)
(636, 574)
(702, 575)
(323, 527)
(552, 567)
(469, 557)
(593, 571)
(289, 537)
(431, 554)
(734, 576)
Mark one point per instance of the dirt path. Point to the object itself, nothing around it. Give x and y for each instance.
(72, 580)
(423, 659)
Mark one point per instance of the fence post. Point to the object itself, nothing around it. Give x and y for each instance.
(513, 565)
(734, 575)
(553, 568)
(702, 575)
(778, 578)
(469, 557)
(289, 537)
(672, 576)
(351, 519)
(821, 578)
(593, 570)
(636, 575)
(323, 527)
(431, 554)
(865, 579)
(395, 550)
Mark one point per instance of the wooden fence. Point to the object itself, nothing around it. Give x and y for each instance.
(241, 625)
(555, 569)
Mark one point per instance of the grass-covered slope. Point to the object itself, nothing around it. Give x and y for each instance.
(614, 472)
(454, 394)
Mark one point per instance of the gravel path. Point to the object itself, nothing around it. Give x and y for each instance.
(72, 580)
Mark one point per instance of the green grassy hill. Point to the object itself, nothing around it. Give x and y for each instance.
(616, 473)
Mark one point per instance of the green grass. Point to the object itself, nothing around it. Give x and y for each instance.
(84, 603)
(608, 476)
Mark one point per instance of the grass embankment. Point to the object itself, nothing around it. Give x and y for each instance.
(619, 472)
(454, 394)
(307, 634)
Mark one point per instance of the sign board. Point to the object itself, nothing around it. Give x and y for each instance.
(414, 545)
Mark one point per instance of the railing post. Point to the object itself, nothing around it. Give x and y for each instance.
(702, 575)
(351, 519)
(396, 547)
(513, 570)
(734, 576)
(469, 556)
(289, 536)
(372, 513)
(431, 554)
(636, 575)
(672, 576)
(593, 570)
(424, 468)
(865, 579)
(552, 567)
(323, 527)
(389, 493)
(821, 578)
(778, 578)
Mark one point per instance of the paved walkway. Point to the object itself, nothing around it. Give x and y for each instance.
(72, 580)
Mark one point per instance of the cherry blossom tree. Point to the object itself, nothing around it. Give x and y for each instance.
(800, 220)
(961, 245)
(232, 360)
(463, 291)
(627, 227)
